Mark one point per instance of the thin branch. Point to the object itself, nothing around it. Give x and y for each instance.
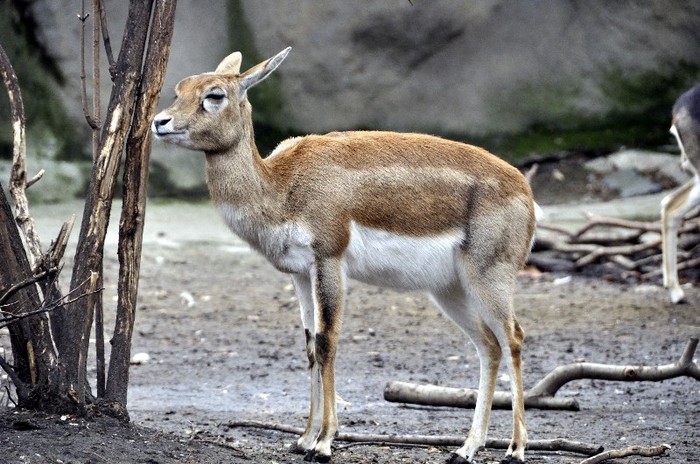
(19, 385)
(542, 394)
(629, 451)
(96, 110)
(437, 440)
(600, 221)
(562, 375)
(11, 318)
(105, 35)
(681, 266)
(601, 251)
(25, 283)
(530, 173)
(37, 177)
(18, 174)
(554, 228)
(82, 17)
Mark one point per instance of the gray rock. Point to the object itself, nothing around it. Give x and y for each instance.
(637, 172)
(62, 181)
(651, 163)
(629, 183)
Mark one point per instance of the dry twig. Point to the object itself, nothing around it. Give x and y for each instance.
(10, 318)
(629, 451)
(541, 396)
(422, 440)
(633, 248)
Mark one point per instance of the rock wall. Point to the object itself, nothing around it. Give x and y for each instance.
(454, 66)
(449, 66)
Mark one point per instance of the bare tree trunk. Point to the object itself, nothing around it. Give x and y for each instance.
(16, 269)
(73, 325)
(134, 206)
(39, 377)
(50, 361)
(36, 369)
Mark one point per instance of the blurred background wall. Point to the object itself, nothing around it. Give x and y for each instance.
(520, 77)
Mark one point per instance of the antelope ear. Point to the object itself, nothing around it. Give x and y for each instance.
(260, 71)
(231, 64)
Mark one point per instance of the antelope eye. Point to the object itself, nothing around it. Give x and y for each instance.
(214, 100)
(216, 95)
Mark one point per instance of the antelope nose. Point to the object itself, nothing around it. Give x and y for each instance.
(161, 121)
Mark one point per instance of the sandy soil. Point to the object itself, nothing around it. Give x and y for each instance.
(222, 331)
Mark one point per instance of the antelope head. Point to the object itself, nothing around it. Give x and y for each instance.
(211, 112)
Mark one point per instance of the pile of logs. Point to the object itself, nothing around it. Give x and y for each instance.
(616, 249)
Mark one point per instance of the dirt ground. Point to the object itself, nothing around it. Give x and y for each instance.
(222, 332)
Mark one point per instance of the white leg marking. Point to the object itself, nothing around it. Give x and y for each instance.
(304, 291)
(673, 208)
(464, 308)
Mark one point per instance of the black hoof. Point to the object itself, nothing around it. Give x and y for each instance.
(313, 456)
(457, 459)
(296, 449)
(511, 460)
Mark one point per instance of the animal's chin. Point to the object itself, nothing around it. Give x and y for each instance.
(179, 138)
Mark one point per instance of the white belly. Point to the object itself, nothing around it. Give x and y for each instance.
(373, 256)
(417, 263)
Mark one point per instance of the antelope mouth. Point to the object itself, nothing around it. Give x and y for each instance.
(161, 132)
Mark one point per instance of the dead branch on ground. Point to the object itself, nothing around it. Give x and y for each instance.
(432, 395)
(646, 452)
(422, 440)
(541, 396)
(627, 249)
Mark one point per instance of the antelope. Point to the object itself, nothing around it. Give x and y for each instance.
(685, 127)
(409, 211)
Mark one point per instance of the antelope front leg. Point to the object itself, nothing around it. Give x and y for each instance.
(304, 291)
(328, 293)
(329, 290)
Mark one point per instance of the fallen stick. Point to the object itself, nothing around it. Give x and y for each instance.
(621, 246)
(600, 221)
(561, 375)
(601, 251)
(541, 396)
(682, 265)
(432, 395)
(558, 444)
(630, 451)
